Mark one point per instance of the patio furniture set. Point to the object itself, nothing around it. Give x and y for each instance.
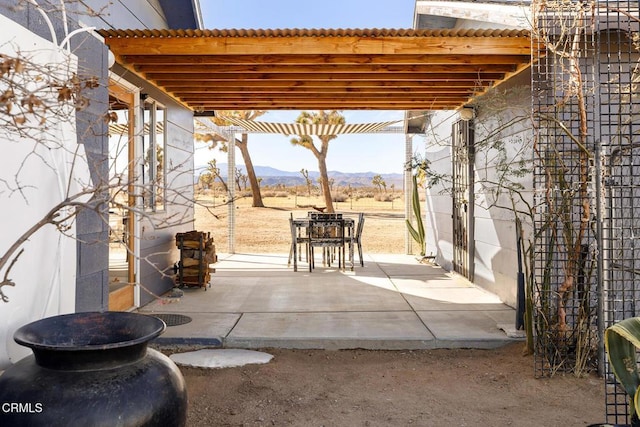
(335, 233)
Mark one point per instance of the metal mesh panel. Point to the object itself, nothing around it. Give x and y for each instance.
(619, 112)
(564, 282)
(587, 183)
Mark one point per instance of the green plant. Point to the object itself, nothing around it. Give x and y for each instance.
(417, 232)
(621, 341)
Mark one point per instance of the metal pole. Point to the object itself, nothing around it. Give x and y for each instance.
(520, 302)
(601, 321)
(231, 168)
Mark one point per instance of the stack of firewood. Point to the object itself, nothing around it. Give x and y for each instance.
(197, 251)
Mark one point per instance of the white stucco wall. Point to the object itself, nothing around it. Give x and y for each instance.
(495, 240)
(37, 171)
(438, 205)
(478, 15)
(136, 14)
(503, 118)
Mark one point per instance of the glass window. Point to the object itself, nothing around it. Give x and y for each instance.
(153, 149)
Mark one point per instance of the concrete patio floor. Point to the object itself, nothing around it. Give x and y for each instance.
(393, 302)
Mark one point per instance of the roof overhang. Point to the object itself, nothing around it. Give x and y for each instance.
(358, 69)
(182, 14)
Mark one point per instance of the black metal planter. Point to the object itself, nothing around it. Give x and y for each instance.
(634, 423)
(93, 369)
(608, 425)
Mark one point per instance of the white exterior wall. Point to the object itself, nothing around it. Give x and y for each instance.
(138, 14)
(477, 15)
(38, 172)
(495, 240)
(496, 262)
(438, 204)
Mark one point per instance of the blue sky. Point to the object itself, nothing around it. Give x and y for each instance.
(381, 153)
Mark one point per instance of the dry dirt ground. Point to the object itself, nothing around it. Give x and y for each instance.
(377, 388)
(391, 388)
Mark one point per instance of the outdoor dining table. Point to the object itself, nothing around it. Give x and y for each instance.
(301, 234)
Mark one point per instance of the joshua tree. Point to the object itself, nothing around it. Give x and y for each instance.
(307, 180)
(378, 181)
(214, 170)
(332, 117)
(243, 146)
(205, 180)
(240, 178)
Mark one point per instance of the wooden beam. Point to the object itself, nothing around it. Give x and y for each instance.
(197, 98)
(130, 68)
(301, 59)
(336, 101)
(316, 45)
(332, 105)
(332, 68)
(165, 78)
(174, 85)
(312, 91)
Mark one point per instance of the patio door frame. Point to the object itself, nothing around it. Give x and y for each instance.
(128, 297)
(462, 142)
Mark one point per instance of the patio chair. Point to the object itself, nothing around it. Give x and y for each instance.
(326, 233)
(356, 239)
(327, 215)
(297, 240)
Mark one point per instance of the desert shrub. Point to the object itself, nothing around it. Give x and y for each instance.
(383, 197)
(272, 193)
(339, 197)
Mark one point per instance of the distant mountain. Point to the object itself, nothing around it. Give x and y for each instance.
(272, 176)
(264, 171)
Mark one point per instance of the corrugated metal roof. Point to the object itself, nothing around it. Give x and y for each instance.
(320, 32)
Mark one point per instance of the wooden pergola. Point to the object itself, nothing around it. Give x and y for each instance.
(352, 69)
(322, 69)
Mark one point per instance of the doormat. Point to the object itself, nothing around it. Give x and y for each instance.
(173, 319)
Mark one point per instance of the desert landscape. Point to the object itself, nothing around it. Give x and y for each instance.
(266, 230)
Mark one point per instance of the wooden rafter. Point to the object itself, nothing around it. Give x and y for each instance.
(322, 69)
